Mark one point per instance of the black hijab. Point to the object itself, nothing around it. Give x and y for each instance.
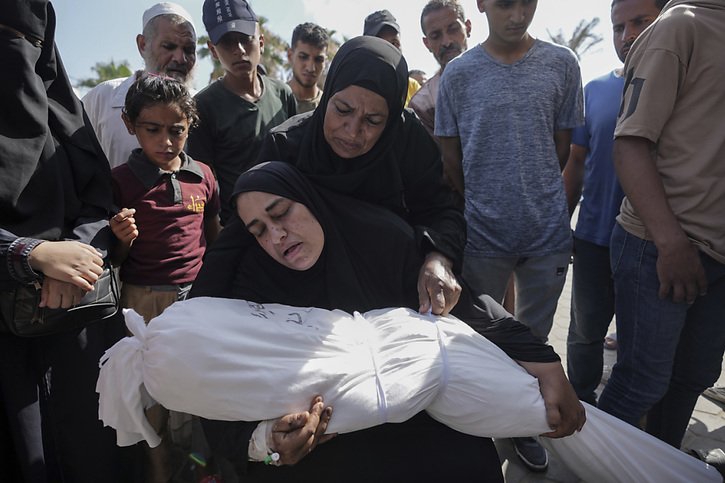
(363, 262)
(54, 177)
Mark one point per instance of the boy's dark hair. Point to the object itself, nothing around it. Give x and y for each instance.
(310, 33)
(150, 89)
(435, 5)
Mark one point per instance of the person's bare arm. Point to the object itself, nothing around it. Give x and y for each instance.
(452, 155)
(562, 141)
(679, 269)
(574, 176)
(564, 412)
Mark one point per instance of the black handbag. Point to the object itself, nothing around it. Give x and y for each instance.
(24, 318)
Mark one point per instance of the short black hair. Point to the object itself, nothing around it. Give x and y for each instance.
(660, 4)
(435, 5)
(412, 72)
(151, 89)
(310, 33)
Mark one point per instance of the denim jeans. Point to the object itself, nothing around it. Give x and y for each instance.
(592, 309)
(668, 353)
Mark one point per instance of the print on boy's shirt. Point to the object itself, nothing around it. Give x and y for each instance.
(196, 204)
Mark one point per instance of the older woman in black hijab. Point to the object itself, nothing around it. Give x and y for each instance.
(55, 199)
(360, 142)
(318, 248)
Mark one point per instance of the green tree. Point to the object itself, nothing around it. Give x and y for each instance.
(582, 39)
(106, 71)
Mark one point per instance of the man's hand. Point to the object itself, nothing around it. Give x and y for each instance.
(564, 412)
(438, 289)
(680, 272)
(68, 261)
(123, 225)
(295, 435)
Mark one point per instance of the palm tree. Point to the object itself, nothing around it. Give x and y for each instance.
(581, 40)
(106, 71)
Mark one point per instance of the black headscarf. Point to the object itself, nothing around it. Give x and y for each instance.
(376, 65)
(55, 182)
(356, 271)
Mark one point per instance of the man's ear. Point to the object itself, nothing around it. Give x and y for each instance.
(425, 42)
(261, 43)
(290, 55)
(141, 44)
(212, 49)
(468, 28)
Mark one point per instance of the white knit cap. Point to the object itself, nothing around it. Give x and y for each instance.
(166, 8)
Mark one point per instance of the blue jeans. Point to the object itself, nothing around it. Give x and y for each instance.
(668, 353)
(592, 309)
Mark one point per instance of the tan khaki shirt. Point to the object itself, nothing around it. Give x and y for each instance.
(675, 97)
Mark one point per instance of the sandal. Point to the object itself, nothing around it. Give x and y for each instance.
(610, 342)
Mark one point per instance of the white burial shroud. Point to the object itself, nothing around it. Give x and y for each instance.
(237, 360)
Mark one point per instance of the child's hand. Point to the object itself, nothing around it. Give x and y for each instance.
(123, 225)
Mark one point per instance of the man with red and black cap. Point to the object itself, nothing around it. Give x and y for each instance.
(383, 24)
(237, 110)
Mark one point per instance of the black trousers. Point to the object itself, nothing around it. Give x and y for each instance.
(49, 427)
(415, 451)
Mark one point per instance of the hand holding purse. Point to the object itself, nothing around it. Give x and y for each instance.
(23, 317)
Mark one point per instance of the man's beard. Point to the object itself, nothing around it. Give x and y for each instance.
(443, 54)
(187, 79)
(304, 84)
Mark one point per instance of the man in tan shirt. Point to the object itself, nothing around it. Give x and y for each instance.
(668, 247)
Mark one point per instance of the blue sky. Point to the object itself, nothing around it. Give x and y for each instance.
(91, 31)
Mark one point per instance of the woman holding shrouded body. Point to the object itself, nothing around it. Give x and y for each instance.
(332, 251)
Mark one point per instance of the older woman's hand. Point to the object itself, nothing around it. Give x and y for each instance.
(438, 289)
(71, 262)
(295, 435)
(564, 412)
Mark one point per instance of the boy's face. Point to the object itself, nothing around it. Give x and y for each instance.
(161, 130)
(238, 53)
(508, 20)
(308, 62)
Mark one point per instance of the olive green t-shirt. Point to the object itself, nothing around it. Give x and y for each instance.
(231, 130)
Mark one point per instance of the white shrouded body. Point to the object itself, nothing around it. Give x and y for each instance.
(237, 360)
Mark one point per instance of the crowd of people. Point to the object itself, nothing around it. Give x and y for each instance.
(443, 194)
